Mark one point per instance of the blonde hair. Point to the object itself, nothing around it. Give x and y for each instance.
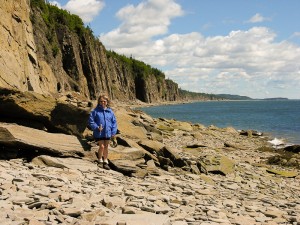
(102, 96)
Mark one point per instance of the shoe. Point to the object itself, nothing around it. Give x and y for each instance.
(106, 166)
(100, 163)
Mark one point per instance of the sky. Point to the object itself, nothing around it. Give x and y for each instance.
(240, 47)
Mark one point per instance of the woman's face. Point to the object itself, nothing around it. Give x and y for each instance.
(103, 102)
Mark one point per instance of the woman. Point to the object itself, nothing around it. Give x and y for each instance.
(103, 122)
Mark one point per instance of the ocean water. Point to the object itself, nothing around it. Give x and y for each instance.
(278, 119)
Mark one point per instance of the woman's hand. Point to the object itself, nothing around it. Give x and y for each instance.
(113, 142)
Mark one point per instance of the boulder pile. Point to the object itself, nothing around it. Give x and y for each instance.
(163, 171)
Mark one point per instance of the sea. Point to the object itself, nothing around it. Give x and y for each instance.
(277, 119)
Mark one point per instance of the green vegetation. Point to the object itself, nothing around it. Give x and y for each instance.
(233, 97)
(195, 95)
(55, 17)
(59, 20)
(122, 58)
(38, 4)
(55, 50)
(138, 68)
(198, 96)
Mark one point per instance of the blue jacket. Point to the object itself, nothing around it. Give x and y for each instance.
(105, 118)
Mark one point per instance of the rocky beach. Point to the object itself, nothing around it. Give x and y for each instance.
(163, 172)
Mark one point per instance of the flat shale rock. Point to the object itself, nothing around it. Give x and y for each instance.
(13, 136)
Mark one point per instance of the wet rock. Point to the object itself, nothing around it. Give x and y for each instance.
(293, 148)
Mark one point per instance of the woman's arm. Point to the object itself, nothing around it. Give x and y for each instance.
(114, 126)
(92, 124)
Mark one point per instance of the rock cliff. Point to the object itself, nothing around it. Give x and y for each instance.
(18, 59)
(47, 50)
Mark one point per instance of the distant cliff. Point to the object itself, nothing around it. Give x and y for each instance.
(47, 50)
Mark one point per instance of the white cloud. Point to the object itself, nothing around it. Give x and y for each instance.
(243, 62)
(246, 62)
(55, 3)
(257, 18)
(296, 34)
(142, 22)
(87, 10)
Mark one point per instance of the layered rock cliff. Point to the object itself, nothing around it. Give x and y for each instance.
(47, 50)
(18, 59)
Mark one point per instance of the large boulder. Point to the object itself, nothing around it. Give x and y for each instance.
(172, 154)
(69, 163)
(16, 140)
(55, 116)
(154, 147)
(126, 126)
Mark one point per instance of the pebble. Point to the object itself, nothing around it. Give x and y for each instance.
(34, 195)
(45, 197)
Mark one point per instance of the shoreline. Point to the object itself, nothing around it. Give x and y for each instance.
(278, 137)
(137, 103)
(167, 170)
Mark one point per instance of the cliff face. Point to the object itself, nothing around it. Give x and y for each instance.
(40, 57)
(18, 58)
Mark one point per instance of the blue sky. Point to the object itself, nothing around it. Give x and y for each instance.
(244, 47)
